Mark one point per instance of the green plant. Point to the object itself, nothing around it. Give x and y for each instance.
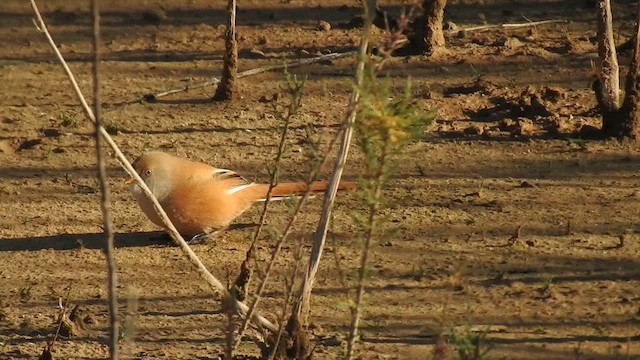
(547, 284)
(540, 330)
(581, 143)
(80, 245)
(421, 170)
(385, 124)
(68, 120)
(112, 128)
(469, 343)
(25, 291)
(418, 272)
(476, 72)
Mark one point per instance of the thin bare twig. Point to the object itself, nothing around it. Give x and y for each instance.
(260, 70)
(320, 235)
(504, 26)
(295, 88)
(215, 284)
(276, 251)
(289, 296)
(104, 188)
(516, 235)
(214, 81)
(63, 309)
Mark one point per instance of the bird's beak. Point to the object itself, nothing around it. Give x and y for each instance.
(130, 181)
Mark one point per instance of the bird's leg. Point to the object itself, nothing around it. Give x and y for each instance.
(203, 237)
(199, 238)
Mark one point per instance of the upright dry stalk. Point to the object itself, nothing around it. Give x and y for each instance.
(631, 106)
(609, 71)
(104, 189)
(617, 121)
(226, 90)
(433, 18)
(320, 235)
(274, 256)
(295, 87)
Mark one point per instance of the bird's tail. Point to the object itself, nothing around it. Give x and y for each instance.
(285, 190)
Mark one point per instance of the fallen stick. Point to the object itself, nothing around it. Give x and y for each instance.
(214, 81)
(504, 26)
(215, 284)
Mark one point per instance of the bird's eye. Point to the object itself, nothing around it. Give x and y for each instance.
(147, 172)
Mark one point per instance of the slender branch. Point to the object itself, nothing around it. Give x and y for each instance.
(215, 284)
(229, 310)
(504, 26)
(260, 70)
(214, 81)
(295, 89)
(320, 235)
(63, 309)
(289, 296)
(104, 188)
(281, 241)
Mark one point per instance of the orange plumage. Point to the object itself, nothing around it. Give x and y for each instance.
(199, 198)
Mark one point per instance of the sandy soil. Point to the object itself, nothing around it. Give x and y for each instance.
(502, 154)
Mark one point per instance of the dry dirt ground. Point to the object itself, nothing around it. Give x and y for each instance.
(504, 152)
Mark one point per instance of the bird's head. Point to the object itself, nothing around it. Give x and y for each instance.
(155, 170)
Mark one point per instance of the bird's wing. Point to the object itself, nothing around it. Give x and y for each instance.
(232, 180)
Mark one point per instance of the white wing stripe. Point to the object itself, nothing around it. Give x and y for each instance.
(235, 189)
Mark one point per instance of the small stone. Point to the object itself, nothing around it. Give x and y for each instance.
(513, 43)
(523, 127)
(474, 130)
(323, 25)
(252, 54)
(553, 94)
(526, 184)
(489, 134)
(450, 25)
(557, 127)
(509, 43)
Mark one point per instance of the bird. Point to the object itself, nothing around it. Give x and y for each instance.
(201, 199)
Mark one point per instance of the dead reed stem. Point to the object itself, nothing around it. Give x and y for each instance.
(104, 188)
(320, 235)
